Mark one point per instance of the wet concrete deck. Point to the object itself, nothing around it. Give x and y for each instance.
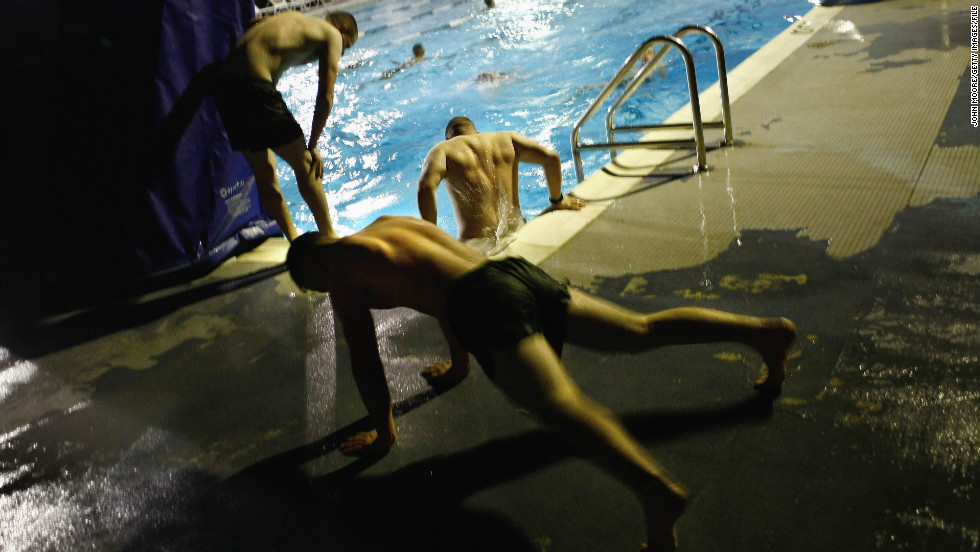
(207, 416)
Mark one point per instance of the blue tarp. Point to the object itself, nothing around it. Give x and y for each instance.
(120, 178)
(204, 202)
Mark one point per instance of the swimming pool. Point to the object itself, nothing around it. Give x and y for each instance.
(554, 57)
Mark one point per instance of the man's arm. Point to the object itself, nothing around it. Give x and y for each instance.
(330, 46)
(433, 171)
(369, 375)
(529, 151)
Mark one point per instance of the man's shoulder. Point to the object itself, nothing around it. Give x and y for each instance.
(463, 148)
(298, 21)
(506, 138)
(290, 15)
(493, 137)
(498, 134)
(439, 150)
(278, 20)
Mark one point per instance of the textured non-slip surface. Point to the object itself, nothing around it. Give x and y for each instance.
(833, 142)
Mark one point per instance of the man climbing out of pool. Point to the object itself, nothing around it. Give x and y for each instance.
(514, 318)
(257, 120)
(480, 170)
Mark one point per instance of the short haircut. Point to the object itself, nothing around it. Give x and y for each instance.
(344, 18)
(456, 124)
(300, 257)
(418, 49)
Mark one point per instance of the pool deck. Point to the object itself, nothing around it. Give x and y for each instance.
(207, 416)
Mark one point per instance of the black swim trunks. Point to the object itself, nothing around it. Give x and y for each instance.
(504, 301)
(254, 113)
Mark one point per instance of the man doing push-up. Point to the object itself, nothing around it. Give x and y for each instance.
(513, 318)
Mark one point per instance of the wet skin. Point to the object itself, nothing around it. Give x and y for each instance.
(403, 261)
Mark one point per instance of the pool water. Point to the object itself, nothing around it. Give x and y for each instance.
(553, 58)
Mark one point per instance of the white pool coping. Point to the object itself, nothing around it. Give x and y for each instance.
(542, 236)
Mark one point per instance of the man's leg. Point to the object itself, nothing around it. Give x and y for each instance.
(532, 375)
(309, 184)
(263, 165)
(599, 324)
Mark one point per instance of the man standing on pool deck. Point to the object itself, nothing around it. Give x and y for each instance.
(480, 170)
(257, 120)
(514, 318)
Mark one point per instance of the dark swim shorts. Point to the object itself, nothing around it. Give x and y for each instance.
(254, 114)
(504, 301)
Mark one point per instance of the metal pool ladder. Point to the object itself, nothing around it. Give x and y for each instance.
(668, 42)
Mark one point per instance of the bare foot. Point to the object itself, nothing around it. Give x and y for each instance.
(774, 346)
(662, 506)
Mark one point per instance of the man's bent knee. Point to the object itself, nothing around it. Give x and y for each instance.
(298, 156)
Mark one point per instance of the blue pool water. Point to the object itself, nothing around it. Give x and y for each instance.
(556, 55)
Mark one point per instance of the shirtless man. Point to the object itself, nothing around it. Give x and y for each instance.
(514, 318)
(480, 170)
(257, 120)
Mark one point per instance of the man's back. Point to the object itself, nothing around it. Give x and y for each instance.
(279, 42)
(481, 173)
(396, 262)
(480, 170)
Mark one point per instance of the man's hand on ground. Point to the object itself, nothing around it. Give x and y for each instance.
(366, 443)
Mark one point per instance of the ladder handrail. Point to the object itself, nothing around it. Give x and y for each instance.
(669, 41)
(692, 86)
(642, 75)
(607, 91)
(599, 100)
